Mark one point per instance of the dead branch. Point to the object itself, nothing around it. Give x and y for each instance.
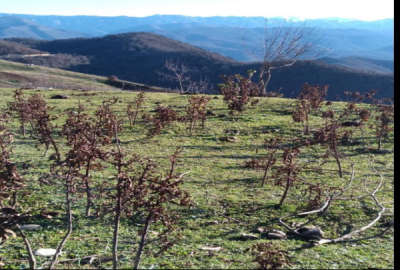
(349, 235)
(318, 211)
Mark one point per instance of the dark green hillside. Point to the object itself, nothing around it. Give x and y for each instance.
(339, 80)
(140, 57)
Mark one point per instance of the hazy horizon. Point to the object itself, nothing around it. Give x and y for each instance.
(288, 9)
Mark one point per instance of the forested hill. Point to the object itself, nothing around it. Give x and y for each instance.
(141, 57)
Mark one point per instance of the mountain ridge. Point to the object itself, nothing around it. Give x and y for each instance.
(211, 33)
(140, 57)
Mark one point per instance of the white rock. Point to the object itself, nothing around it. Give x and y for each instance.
(211, 248)
(248, 236)
(30, 227)
(45, 252)
(276, 234)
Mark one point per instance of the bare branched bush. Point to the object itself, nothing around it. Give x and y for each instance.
(163, 117)
(238, 90)
(286, 174)
(310, 99)
(21, 107)
(10, 183)
(196, 111)
(266, 162)
(383, 123)
(143, 191)
(86, 138)
(42, 126)
(134, 108)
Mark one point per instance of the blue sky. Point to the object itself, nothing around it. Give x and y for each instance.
(353, 9)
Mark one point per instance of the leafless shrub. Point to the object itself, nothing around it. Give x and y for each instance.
(142, 191)
(196, 111)
(162, 118)
(238, 90)
(86, 138)
(310, 98)
(383, 123)
(266, 162)
(286, 174)
(134, 108)
(20, 106)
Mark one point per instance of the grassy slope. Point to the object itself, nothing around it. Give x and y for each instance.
(14, 74)
(227, 197)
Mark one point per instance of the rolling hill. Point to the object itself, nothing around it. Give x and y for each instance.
(362, 64)
(17, 75)
(140, 57)
(18, 27)
(235, 37)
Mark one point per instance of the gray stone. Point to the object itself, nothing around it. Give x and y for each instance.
(311, 232)
(30, 227)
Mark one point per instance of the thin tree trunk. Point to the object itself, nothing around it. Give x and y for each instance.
(135, 116)
(23, 129)
(286, 190)
(87, 187)
(337, 159)
(306, 126)
(116, 228)
(142, 242)
(32, 260)
(264, 85)
(379, 143)
(55, 149)
(265, 172)
(69, 216)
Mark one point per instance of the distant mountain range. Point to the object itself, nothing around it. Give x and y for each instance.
(239, 38)
(140, 57)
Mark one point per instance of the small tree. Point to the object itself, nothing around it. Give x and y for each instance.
(383, 121)
(266, 162)
(41, 119)
(142, 191)
(196, 110)
(309, 99)
(20, 106)
(238, 90)
(282, 47)
(163, 117)
(286, 174)
(134, 108)
(180, 72)
(85, 134)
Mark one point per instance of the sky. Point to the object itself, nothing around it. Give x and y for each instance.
(303, 9)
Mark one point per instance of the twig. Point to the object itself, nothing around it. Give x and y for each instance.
(32, 259)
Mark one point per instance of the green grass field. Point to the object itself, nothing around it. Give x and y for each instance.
(227, 198)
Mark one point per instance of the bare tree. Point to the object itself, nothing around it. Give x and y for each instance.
(186, 83)
(282, 47)
(180, 73)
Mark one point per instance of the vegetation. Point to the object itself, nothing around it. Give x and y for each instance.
(141, 57)
(187, 195)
